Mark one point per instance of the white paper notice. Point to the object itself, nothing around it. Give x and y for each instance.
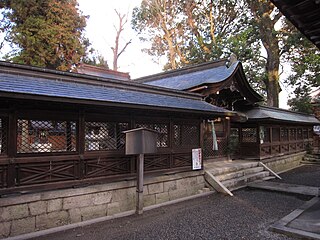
(196, 159)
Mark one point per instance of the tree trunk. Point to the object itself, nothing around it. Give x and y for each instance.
(262, 11)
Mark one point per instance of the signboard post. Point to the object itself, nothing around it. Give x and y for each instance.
(138, 142)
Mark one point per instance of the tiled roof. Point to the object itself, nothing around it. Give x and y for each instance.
(185, 79)
(277, 114)
(40, 86)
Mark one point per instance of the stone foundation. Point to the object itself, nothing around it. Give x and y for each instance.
(284, 163)
(37, 211)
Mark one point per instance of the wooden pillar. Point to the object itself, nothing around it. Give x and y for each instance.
(81, 144)
(139, 193)
(227, 135)
(12, 148)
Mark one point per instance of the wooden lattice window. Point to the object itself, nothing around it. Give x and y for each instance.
(3, 136)
(185, 135)
(161, 128)
(105, 136)
(275, 134)
(293, 134)
(305, 133)
(234, 135)
(39, 136)
(299, 134)
(265, 134)
(284, 134)
(249, 134)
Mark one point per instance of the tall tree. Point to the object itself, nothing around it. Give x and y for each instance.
(116, 49)
(189, 31)
(46, 33)
(194, 31)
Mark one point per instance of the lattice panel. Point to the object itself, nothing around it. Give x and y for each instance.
(162, 129)
(155, 162)
(265, 150)
(266, 134)
(275, 149)
(3, 176)
(284, 134)
(38, 136)
(186, 135)
(299, 134)
(249, 135)
(293, 147)
(293, 134)
(275, 134)
(105, 136)
(3, 136)
(104, 167)
(182, 159)
(305, 133)
(285, 148)
(44, 172)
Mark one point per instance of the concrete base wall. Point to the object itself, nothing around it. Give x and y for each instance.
(38, 211)
(284, 163)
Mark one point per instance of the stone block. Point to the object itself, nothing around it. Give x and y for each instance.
(186, 182)
(123, 194)
(102, 198)
(54, 205)
(14, 212)
(169, 186)
(113, 208)
(145, 190)
(86, 213)
(37, 208)
(200, 179)
(162, 197)
(53, 219)
(129, 204)
(77, 201)
(5, 229)
(149, 200)
(180, 193)
(155, 188)
(21, 226)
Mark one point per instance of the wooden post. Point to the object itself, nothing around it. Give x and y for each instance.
(139, 194)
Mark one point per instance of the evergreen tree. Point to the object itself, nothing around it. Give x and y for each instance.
(46, 33)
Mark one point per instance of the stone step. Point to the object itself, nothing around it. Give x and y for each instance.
(238, 174)
(236, 183)
(232, 168)
(268, 178)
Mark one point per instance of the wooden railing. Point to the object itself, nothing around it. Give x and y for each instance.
(287, 147)
(43, 173)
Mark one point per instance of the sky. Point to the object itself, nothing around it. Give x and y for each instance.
(101, 33)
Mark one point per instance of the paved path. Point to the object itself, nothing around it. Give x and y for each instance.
(286, 187)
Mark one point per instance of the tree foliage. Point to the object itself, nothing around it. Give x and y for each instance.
(46, 33)
(188, 32)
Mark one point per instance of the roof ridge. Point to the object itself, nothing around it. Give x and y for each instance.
(285, 110)
(31, 71)
(183, 70)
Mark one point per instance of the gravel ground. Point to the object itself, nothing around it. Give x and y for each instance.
(308, 175)
(247, 215)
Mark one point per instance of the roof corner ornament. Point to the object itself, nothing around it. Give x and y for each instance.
(231, 59)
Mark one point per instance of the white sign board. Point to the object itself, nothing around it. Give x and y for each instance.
(196, 158)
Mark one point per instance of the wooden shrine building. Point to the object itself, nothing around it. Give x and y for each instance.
(256, 132)
(60, 129)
